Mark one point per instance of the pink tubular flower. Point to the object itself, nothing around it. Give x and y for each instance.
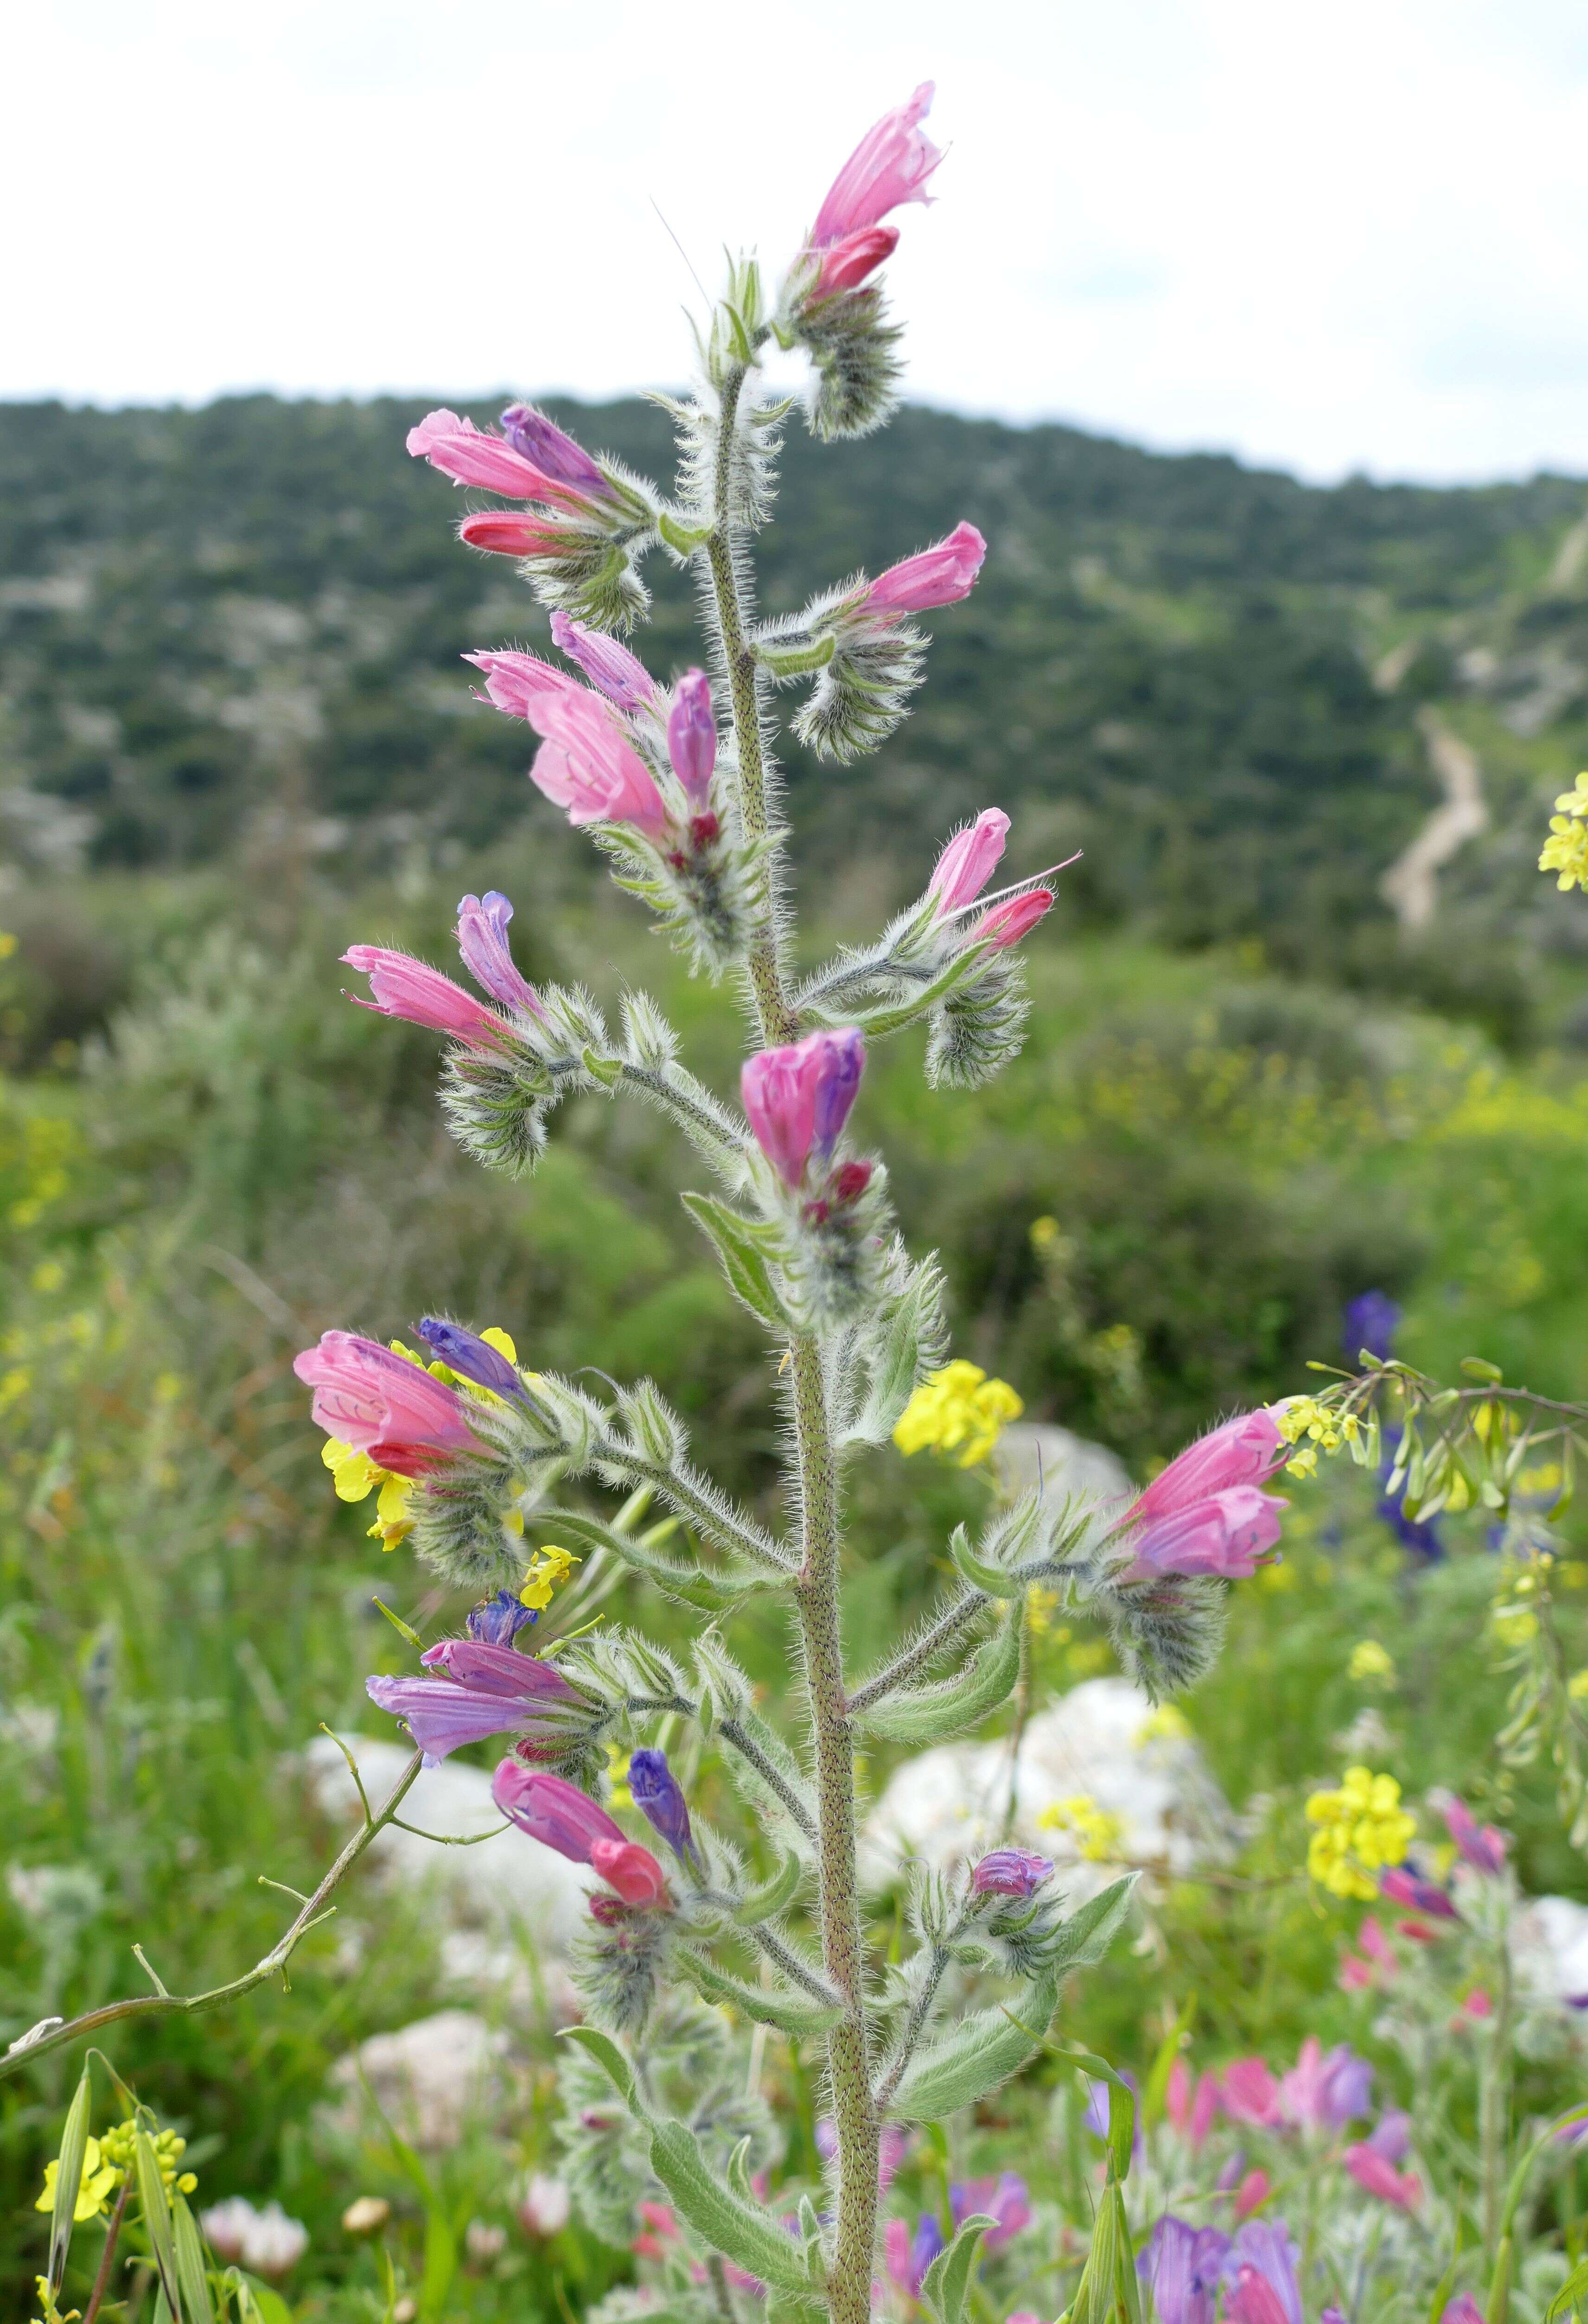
(1404, 1887)
(632, 1871)
(1227, 1535)
(469, 457)
(1325, 2090)
(369, 1396)
(798, 1098)
(1250, 2093)
(620, 675)
(401, 986)
(1462, 2309)
(510, 532)
(847, 264)
(691, 735)
(1245, 1451)
(481, 939)
(482, 1690)
(1251, 2194)
(1191, 2110)
(1482, 1845)
(552, 1811)
(1008, 922)
(890, 164)
(938, 576)
(969, 860)
(1376, 2173)
(1356, 1975)
(586, 764)
(1254, 2299)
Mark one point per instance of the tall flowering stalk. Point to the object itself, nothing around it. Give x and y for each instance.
(677, 782)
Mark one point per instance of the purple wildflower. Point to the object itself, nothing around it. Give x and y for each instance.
(1012, 1872)
(463, 1352)
(656, 1793)
(497, 1620)
(1005, 2200)
(552, 451)
(1181, 2268)
(1370, 1321)
(481, 939)
(620, 675)
(480, 1691)
(1263, 2247)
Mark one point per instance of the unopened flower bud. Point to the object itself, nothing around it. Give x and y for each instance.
(512, 532)
(656, 1793)
(691, 735)
(969, 860)
(632, 1871)
(620, 675)
(476, 1359)
(938, 576)
(798, 1098)
(1007, 923)
(1010, 1872)
(847, 264)
(481, 939)
(552, 450)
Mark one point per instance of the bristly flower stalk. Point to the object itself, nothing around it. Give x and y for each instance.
(678, 784)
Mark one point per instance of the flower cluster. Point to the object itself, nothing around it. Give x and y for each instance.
(958, 1411)
(1206, 1513)
(1360, 1828)
(1311, 1426)
(584, 523)
(1565, 851)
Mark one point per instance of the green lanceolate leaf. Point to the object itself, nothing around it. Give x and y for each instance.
(979, 2053)
(156, 2213)
(927, 1714)
(905, 1346)
(770, 2004)
(611, 2059)
(948, 2278)
(742, 1258)
(69, 2178)
(1084, 1939)
(794, 656)
(994, 1580)
(193, 2281)
(772, 1895)
(256, 2303)
(1571, 2294)
(740, 2231)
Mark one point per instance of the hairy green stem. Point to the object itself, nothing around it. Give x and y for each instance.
(778, 1020)
(838, 1889)
(914, 2027)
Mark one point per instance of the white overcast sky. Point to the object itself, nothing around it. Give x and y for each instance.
(1330, 238)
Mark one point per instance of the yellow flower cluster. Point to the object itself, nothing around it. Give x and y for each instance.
(1309, 1425)
(1360, 1827)
(356, 1476)
(1100, 1835)
(1371, 1661)
(1565, 850)
(958, 1411)
(107, 2160)
(550, 1570)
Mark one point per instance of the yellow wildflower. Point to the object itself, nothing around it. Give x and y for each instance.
(1310, 1425)
(1100, 1835)
(99, 2178)
(1577, 1685)
(353, 1472)
(1360, 1827)
(957, 1411)
(617, 1776)
(550, 1569)
(1368, 1660)
(1565, 851)
(1515, 1626)
(8, 944)
(1167, 1724)
(1041, 1606)
(1043, 1233)
(393, 1511)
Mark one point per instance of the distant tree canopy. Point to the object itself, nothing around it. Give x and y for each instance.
(1177, 663)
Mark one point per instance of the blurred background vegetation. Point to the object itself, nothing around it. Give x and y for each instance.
(235, 736)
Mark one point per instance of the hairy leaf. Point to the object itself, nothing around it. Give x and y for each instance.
(740, 2231)
(770, 2004)
(947, 2279)
(1087, 1934)
(927, 1714)
(742, 1258)
(979, 2053)
(761, 1904)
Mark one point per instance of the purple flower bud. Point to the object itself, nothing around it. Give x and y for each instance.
(798, 1098)
(481, 939)
(656, 1792)
(475, 1358)
(497, 1621)
(843, 1062)
(620, 675)
(546, 446)
(691, 734)
(1404, 1887)
(1012, 1872)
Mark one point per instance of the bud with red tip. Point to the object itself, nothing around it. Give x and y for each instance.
(1008, 922)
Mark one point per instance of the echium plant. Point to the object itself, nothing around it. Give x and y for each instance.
(477, 1458)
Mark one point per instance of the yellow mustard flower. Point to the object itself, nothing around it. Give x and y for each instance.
(99, 2178)
(550, 1570)
(1359, 1828)
(1312, 1426)
(958, 1411)
(1565, 851)
(1371, 1661)
(1100, 1835)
